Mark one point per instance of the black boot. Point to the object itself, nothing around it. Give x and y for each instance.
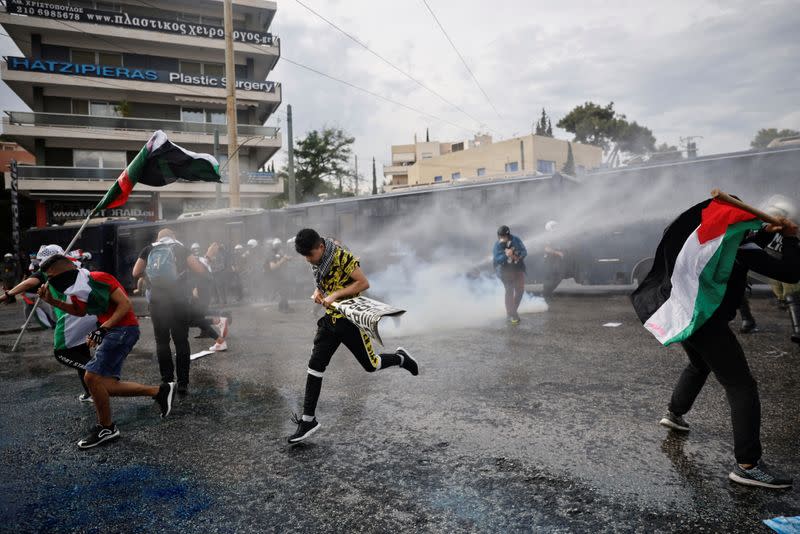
(748, 321)
(793, 303)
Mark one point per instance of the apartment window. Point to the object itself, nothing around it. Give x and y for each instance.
(104, 109)
(214, 69)
(83, 56)
(427, 155)
(93, 57)
(107, 58)
(512, 167)
(482, 171)
(195, 68)
(192, 68)
(457, 147)
(545, 166)
(437, 178)
(193, 115)
(455, 176)
(80, 107)
(216, 117)
(103, 159)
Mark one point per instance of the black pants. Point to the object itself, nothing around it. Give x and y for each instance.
(171, 321)
(77, 358)
(714, 348)
(514, 284)
(330, 334)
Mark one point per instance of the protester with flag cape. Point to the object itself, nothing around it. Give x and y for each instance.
(693, 290)
(338, 275)
(78, 292)
(69, 338)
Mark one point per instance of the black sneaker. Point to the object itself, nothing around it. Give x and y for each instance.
(407, 362)
(98, 435)
(759, 476)
(183, 389)
(166, 392)
(85, 397)
(748, 327)
(675, 422)
(304, 429)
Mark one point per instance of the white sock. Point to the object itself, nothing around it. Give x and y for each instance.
(308, 418)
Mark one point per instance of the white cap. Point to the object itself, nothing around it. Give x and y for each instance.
(195, 245)
(238, 247)
(252, 243)
(8, 255)
(45, 251)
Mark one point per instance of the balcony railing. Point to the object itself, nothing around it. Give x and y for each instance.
(30, 118)
(36, 172)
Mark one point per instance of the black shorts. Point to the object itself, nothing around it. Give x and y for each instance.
(75, 357)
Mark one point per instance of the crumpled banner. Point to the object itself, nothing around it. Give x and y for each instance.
(784, 525)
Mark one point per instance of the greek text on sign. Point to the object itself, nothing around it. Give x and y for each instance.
(50, 10)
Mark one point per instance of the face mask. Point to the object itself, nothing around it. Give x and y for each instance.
(63, 281)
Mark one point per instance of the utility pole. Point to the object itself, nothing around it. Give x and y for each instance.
(230, 75)
(356, 188)
(218, 188)
(292, 186)
(374, 178)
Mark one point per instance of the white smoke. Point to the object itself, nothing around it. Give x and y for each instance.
(442, 295)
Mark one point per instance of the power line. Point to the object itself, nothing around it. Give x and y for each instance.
(392, 65)
(462, 58)
(372, 93)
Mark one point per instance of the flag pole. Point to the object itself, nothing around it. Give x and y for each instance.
(725, 197)
(36, 304)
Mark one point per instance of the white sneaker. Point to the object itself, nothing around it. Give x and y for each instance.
(218, 347)
(83, 397)
(223, 327)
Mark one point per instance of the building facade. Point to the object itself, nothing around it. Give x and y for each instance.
(101, 77)
(482, 159)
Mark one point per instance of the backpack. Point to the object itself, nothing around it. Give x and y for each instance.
(162, 268)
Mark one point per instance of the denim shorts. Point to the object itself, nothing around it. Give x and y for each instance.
(111, 353)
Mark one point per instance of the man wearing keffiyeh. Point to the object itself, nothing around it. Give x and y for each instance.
(337, 276)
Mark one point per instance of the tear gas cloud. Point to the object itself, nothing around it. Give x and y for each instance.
(435, 261)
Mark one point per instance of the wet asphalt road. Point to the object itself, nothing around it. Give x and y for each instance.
(549, 426)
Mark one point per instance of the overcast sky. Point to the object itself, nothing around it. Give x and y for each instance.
(717, 69)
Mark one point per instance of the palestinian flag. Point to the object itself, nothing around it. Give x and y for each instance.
(691, 269)
(159, 163)
(92, 289)
(70, 330)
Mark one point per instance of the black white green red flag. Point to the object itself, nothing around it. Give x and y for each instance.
(691, 269)
(159, 163)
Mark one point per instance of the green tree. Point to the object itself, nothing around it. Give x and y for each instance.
(321, 164)
(602, 126)
(569, 166)
(542, 126)
(633, 138)
(665, 152)
(592, 124)
(766, 135)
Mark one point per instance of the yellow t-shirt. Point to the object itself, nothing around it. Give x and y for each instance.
(342, 266)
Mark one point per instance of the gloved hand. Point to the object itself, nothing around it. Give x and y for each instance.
(96, 337)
